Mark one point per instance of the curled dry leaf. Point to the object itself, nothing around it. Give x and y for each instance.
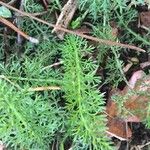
(145, 64)
(136, 76)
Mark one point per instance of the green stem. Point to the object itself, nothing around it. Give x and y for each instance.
(60, 82)
(79, 98)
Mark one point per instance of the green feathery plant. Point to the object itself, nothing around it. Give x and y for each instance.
(114, 73)
(31, 120)
(86, 121)
(34, 28)
(102, 9)
(31, 66)
(147, 119)
(28, 120)
(32, 7)
(109, 56)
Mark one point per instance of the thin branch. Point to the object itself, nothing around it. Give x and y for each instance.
(13, 27)
(50, 66)
(34, 14)
(12, 83)
(36, 89)
(116, 136)
(142, 146)
(102, 41)
(145, 64)
(12, 2)
(65, 17)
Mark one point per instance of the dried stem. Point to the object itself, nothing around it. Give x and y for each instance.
(36, 89)
(102, 41)
(9, 24)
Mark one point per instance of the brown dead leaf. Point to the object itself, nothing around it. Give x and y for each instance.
(137, 103)
(119, 128)
(145, 19)
(135, 106)
(114, 29)
(116, 127)
(132, 119)
(111, 109)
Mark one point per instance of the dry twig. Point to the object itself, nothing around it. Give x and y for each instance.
(102, 41)
(46, 88)
(50, 66)
(9, 81)
(9, 24)
(65, 17)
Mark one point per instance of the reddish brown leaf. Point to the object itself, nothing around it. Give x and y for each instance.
(135, 107)
(116, 127)
(145, 18)
(119, 128)
(111, 109)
